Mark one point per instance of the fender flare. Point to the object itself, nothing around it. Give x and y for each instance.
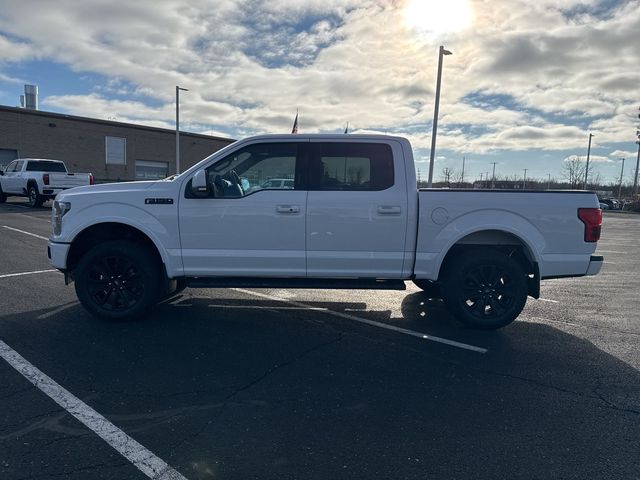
(149, 225)
(487, 220)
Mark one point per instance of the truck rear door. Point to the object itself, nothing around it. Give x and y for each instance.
(356, 209)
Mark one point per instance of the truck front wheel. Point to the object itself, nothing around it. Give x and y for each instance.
(485, 289)
(118, 279)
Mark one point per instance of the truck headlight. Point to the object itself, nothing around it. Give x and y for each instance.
(57, 212)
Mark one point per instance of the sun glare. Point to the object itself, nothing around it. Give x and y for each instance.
(438, 16)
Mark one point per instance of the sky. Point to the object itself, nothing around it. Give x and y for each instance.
(526, 83)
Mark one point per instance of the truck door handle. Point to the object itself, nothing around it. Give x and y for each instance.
(389, 210)
(287, 209)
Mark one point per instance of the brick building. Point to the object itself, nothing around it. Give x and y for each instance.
(112, 151)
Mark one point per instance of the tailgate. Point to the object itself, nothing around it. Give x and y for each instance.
(68, 180)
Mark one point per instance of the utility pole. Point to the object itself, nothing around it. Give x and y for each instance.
(524, 179)
(549, 181)
(441, 54)
(178, 126)
(635, 178)
(620, 186)
(586, 171)
(462, 175)
(493, 177)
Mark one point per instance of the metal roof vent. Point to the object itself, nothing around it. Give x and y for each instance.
(30, 97)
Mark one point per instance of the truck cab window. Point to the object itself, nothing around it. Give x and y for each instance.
(266, 166)
(351, 166)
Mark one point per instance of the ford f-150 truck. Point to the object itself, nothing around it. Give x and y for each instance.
(353, 219)
(39, 180)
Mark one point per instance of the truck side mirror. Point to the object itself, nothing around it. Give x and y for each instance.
(199, 186)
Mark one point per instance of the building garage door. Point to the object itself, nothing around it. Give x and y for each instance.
(6, 156)
(151, 170)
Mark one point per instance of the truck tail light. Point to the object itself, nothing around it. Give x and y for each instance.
(91, 179)
(592, 219)
(45, 178)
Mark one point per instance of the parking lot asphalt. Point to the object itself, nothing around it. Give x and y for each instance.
(310, 384)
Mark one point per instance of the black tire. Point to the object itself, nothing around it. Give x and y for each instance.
(3, 196)
(430, 289)
(35, 199)
(485, 289)
(118, 280)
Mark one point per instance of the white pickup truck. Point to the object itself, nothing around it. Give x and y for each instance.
(353, 219)
(39, 180)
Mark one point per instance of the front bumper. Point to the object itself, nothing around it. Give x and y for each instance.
(57, 253)
(595, 264)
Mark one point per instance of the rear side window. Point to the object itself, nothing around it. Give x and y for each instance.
(45, 166)
(351, 166)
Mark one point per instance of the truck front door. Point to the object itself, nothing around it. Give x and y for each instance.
(356, 209)
(246, 226)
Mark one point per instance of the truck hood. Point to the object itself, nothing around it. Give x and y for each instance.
(110, 187)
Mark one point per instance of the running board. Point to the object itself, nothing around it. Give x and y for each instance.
(311, 283)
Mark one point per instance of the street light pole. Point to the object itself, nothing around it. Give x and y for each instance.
(635, 179)
(442, 52)
(178, 126)
(549, 181)
(524, 179)
(462, 175)
(493, 176)
(620, 186)
(586, 172)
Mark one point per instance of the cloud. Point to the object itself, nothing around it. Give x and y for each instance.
(567, 68)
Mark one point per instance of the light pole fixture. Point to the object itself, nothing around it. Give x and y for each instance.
(441, 53)
(178, 126)
(586, 170)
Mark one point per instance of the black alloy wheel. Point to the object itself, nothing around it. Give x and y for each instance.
(35, 200)
(485, 289)
(118, 279)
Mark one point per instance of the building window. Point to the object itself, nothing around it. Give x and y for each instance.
(115, 151)
(151, 170)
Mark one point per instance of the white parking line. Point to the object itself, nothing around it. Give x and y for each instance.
(142, 458)
(373, 323)
(7, 275)
(548, 300)
(26, 233)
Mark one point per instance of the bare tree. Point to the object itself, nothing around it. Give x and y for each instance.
(573, 171)
(447, 174)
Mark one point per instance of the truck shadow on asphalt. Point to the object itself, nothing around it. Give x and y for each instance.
(541, 403)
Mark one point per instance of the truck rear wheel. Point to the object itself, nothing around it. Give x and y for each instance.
(118, 279)
(35, 199)
(485, 289)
